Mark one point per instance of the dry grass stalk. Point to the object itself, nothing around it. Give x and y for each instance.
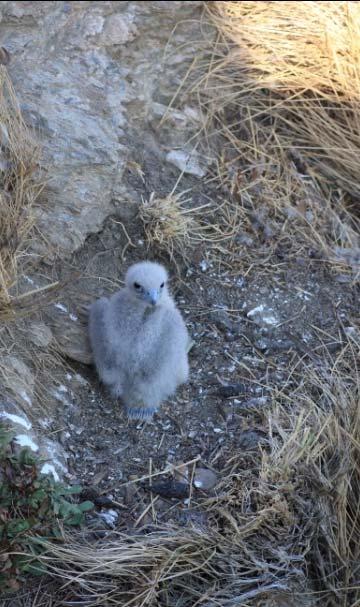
(19, 158)
(280, 100)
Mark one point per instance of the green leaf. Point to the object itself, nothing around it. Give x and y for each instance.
(17, 526)
(34, 568)
(6, 437)
(38, 496)
(75, 520)
(66, 509)
(62, 491)
(26, 458)
(85, 506)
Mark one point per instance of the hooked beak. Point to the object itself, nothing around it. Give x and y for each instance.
(153, 296)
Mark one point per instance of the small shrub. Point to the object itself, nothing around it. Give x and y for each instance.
(33, 508)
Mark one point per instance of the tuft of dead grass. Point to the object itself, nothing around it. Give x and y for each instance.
(20, 187)
(173, 225)
(19, 161)
(279, 94)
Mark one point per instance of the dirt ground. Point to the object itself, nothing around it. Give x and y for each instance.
(249, 326)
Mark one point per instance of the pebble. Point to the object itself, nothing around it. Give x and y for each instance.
(262, 315)
(205, 479)
(110, 517)
(188, 163)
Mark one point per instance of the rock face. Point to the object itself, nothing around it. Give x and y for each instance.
(88, 75)
(94, 81)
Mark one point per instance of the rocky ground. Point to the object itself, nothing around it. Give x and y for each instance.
(250, 329)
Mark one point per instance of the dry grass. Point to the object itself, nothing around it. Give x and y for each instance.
(174, 226)
(279, 94)
(20, 188)
(284, 525)
(169, 224)
(19, 159)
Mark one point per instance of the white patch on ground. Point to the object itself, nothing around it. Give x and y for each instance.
(29, 280)
(256, 310)
(50, 469)
(203, 265)
(59, 395)
(109, 516)
(61, 307)
(80, 379)
(263, 315)
(73, 317)
(305, 295)
(25, 441)
(16, 419)
(25, 397)
(52, 453)
(44, 423)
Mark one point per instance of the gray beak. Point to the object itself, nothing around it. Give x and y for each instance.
(153, 296)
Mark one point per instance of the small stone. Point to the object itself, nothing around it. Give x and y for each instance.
(240, 282)
(259, 401)
(110, 517)
(344, 278)
(279, 345)
(204, 479)
(170, 488)
(263, 316)
(118, 29)
(72, 341)
(40, 334)
(230, 390)
(222, 320)
(185, 162)
(19, 379)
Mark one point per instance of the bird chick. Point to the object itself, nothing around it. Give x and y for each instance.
(139, 341)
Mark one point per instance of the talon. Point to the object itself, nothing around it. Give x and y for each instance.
(140, 412)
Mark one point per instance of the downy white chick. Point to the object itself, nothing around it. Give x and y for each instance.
(139, 341)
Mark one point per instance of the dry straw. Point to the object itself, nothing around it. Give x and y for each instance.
(19, 158)
(279, 93)
(173, 225)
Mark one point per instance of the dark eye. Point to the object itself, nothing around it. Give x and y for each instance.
(162, 285)
(137, 286)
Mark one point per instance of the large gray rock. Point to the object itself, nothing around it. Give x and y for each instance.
(87, 74)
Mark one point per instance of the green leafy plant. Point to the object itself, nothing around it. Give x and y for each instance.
(33, 507)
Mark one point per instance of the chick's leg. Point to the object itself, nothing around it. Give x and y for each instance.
(140, 399)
